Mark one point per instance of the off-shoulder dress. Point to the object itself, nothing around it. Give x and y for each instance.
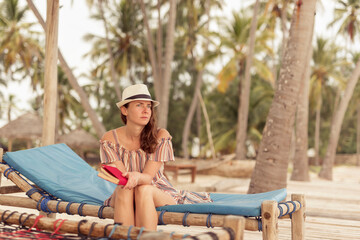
(135, 160)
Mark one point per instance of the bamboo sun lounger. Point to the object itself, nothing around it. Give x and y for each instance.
(65, 183)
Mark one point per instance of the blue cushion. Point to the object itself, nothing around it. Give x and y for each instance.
(236, 204)
(61, 172)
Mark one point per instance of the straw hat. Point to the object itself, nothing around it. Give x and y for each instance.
(136, 92)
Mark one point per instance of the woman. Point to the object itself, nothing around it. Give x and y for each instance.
(139, 150)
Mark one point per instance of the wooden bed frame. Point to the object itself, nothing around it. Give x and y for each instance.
(270, 212)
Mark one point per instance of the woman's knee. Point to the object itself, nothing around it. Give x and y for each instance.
(123, 195)
(142, 191)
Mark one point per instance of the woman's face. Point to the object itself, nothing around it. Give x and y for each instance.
(138, 112)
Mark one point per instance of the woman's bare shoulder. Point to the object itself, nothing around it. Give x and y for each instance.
(163, 133)
(109, 135)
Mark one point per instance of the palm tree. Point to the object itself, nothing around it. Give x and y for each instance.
(326, 170)
(11, 106)
(277, 12)
(239, 35)
(161, 63)
(193, 33)
(347, 15)
(125, 41)
(70, 111)
(300, 162)
(243, 110)
(19, 47)
(20, 51)
(270, 171)
(326, 67)
(113, 73)
(2, 83)
(223, 113)
(103, 93)
(350, 26)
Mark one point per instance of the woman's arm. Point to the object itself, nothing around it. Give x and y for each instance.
(150, 170)
(137, 178)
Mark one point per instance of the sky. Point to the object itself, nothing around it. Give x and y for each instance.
(75, 22)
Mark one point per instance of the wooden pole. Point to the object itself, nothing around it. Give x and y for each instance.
(289, 208)
(51, 57)
(269, 214)
(71, 226)
(108, 212)
(298, 218)
(237, 224)
(10, 142)
(21, 183)
(28, 144)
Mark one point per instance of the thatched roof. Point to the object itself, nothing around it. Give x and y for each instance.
(27, 126)
(79, 139)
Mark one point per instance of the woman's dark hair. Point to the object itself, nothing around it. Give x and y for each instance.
(148, 136)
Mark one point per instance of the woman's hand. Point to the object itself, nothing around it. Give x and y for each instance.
(133, 179)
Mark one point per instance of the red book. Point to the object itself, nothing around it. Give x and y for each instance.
(112, 174)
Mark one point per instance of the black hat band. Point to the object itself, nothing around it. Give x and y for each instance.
(139, 96)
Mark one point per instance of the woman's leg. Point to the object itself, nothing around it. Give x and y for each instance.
(147, 198)
(122, 201)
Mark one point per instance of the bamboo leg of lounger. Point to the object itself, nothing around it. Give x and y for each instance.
(23, 185)
(72, 226)
(269, 214)
(237, 224)
(298, 219)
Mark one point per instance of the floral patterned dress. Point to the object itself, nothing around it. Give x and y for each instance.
(135, 160)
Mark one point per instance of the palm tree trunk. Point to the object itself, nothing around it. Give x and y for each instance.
(198, 124)
(162, 85)
(208, 128)
(166, 73)
(159, 43)
(244, 97)
(301, 161)
(284, 29)
(113, 74)
(98, 126)
(317, 130)
(153, 61)
(318, 123)
(326, 170)
(194, 102)
(271, 167)
(10, 106)
(190, 115)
